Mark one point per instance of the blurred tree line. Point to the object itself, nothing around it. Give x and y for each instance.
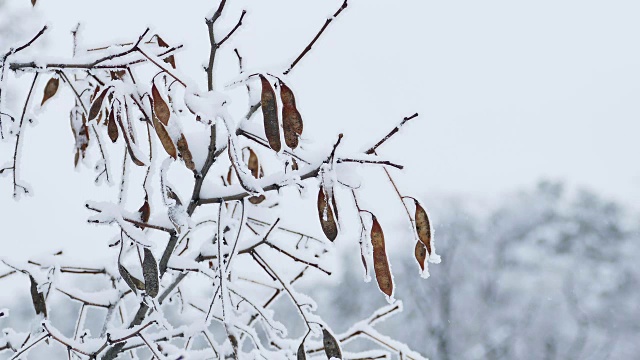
(544, 274)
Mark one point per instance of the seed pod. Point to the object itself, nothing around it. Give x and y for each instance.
(423, 226)
(331, 346)
(37, 297)
(112, 127)
(160, 107)
(185, 153)
(301, 353)
(150, 273)
(165, 139)
(421, 254)
(270, 115)
(327, 220)
(291, 118)
(96, 106)
(50, 89)
(380, 261)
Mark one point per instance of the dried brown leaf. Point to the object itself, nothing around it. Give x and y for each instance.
(421, 254)
(185, 153)
(145, 210)
(254, 164)
(96, 106)
(131, 281)
(327, 219)
(230, 175)
(172, 195)
(150, 273)
(331, 346)
(423, 226)
(255, 200)
(270, 115)
(291, 118)
(37, 297)
(112, 127)
(380, 261)
(160, 107)
(165, 139)
(169, 59)
(118, 74)
(50, 89)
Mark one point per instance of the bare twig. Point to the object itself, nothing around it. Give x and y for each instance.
(322, 29)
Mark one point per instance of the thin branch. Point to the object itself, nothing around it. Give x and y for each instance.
(372, 150)
(375, 162)
(29, 43)
(324, 27)
(134, 222)
(244, 12)
(19, 136)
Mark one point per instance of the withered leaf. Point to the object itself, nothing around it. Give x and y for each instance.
(118, 74)
(421, 254)
(131, 281)
(96, 106)
(255, 200)
(270, 115)
(172, 195)
(423, 226)
(254, 164)
(33, 2)
(145, 210)
(327, 219)
(185, 153)
(230, 175)
(291, 118)
(301, 353)
(380, 261)
(160, 107)
(95, 93)
(112, 127)
(37, 297)
(331, 346)
(99, 119)
(169, 59)
(165, 139)
(294, 164)
(50, 89)
(150, 273)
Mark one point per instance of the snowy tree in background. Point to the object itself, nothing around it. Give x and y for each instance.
(545, 273)
(204, 247)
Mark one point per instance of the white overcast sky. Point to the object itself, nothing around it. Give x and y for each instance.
(508, 92)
